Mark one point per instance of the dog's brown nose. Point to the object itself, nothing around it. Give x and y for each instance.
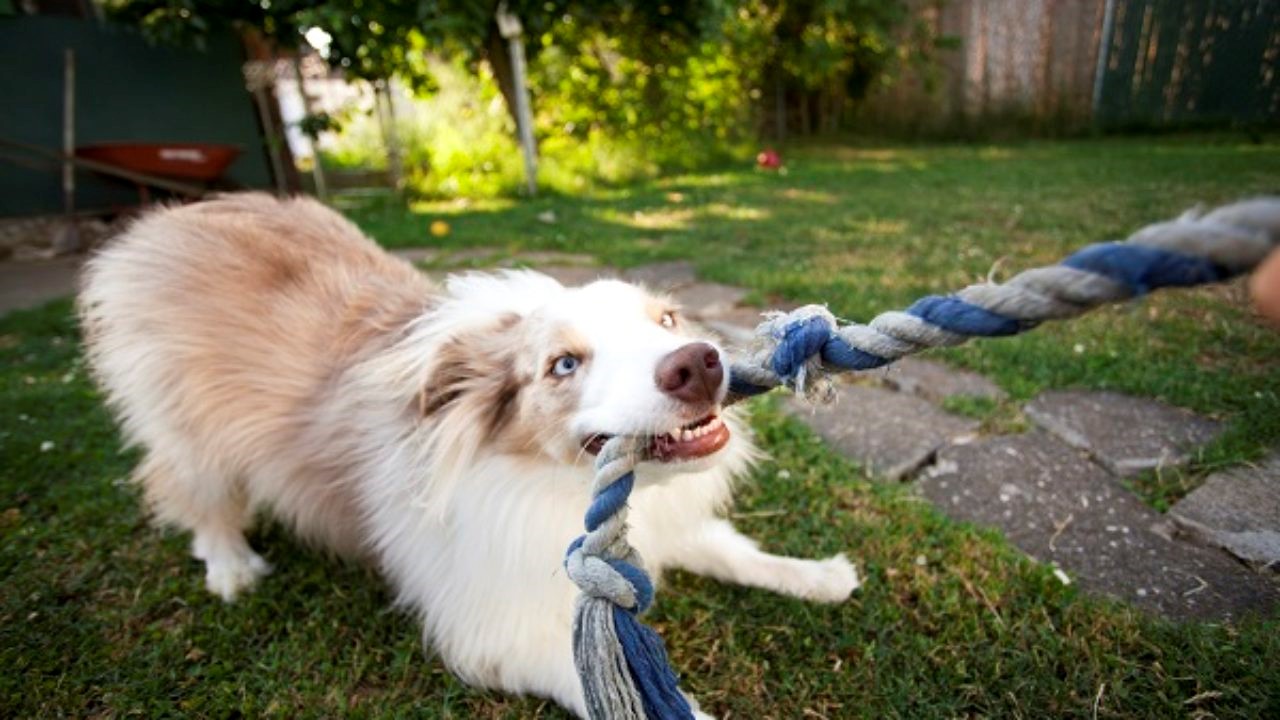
(691, 373)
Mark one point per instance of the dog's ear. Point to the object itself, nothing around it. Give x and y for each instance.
(475, 373)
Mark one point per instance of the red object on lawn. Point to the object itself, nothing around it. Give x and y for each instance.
(769, 159)
(192, 161)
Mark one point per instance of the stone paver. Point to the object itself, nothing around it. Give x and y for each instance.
(468, 255)
(708, 299)
(535, 258)
(34, 283)
(736, 325)
(577, 275)
(1237, 509)
(418, 254)
(664, 276)
(892, 433)
(1061, 508)
(1126, 434)
(936, 381)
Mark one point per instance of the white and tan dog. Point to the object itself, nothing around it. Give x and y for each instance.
(269, 357)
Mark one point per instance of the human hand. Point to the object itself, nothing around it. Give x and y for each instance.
(1264, 286)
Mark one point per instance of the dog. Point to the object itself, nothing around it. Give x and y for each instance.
(267, 356)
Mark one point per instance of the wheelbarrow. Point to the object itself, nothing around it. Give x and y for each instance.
(187, 169)
(202, 162)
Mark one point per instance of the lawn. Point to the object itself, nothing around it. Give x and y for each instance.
(101, 615)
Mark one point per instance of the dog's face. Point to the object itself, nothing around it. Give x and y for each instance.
(582, 365)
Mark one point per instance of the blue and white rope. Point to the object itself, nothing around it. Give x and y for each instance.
(802, 348)
(623, 665)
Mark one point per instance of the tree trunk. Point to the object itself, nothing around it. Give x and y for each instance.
(498, 58)
(383, 92)
(779, 105)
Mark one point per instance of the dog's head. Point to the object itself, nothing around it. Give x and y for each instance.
(526, 367)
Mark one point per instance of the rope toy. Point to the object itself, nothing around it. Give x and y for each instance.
(622, 663)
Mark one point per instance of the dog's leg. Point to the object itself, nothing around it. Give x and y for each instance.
(718, 550)
(538, 664)
(216, 513)
(231, 566)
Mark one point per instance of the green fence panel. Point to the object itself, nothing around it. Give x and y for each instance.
(1191, 62)
(126, 90)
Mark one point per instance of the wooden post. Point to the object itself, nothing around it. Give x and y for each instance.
(68, 237)
(510, 28)
(386, 109)
(258, 74)
(317, 171)
(268, 132)
(1104, 47)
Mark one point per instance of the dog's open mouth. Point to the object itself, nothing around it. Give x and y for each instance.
(688, 442)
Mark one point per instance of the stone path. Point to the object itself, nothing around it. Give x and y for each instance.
(937, 382)
(36, 282)
(1062, 509)
(892, 433)
(1237, 509)
(1055, 492)
(1126, 434)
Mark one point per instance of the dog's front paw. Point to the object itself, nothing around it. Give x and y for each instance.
(227, 577)
(833, 580)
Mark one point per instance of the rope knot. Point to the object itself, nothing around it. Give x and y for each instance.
(792, 347)
(619, 581)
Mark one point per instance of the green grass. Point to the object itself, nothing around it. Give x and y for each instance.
(101, 615)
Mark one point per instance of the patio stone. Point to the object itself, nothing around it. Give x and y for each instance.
(538, 258)
(663, 276)
(34, 283)
(418, 254)
(736, 325)
(1237, 509)
(937, 381)
(577, 275)
(465, 257)
(706, 299)
(1060, 508)
(1126, 434)
(891, 433)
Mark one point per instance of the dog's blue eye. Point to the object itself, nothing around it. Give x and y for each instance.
(565, 365)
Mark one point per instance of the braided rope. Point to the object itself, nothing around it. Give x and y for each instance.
(802, 348)
(622, 662)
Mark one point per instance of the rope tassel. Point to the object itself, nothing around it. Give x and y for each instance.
(622, 663)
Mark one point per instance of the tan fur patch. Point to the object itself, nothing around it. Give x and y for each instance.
(477, 371)
(230, 319)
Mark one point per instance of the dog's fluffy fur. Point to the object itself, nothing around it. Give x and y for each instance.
(269, 357)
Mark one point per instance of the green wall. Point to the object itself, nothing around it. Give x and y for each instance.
(126, 90)
(1191, 62)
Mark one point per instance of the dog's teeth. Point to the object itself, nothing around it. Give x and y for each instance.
(715, 423)
(686, 435)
